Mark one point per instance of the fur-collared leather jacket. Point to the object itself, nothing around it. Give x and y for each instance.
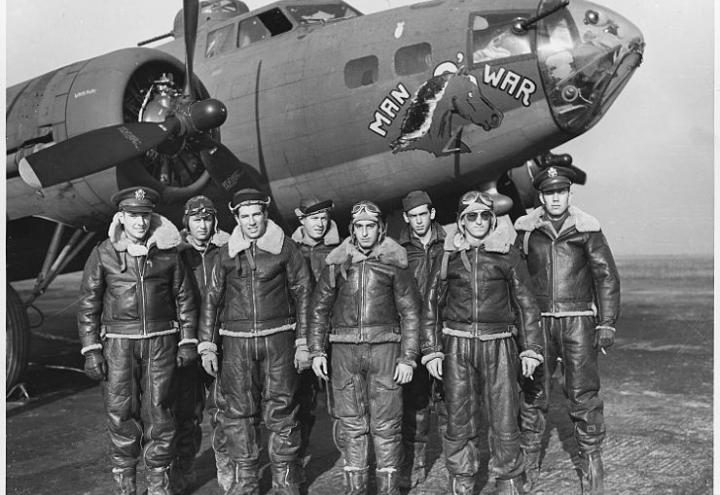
(316, 253)
(420, 258)
(573, 270)
(257, 288)
(369, 299)
(201, 261)
(132, 291)
(480, 292)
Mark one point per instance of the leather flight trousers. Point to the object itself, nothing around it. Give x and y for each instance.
(570, 338)
(258, 377)
(481, 374)
(368, 402)
(223, 462)
(138, 400)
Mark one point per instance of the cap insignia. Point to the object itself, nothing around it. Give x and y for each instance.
(552, 172)
(140, 195)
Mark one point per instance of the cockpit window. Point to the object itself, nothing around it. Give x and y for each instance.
(220, 41)
(493, 38)
(251, 30)
(308, 14)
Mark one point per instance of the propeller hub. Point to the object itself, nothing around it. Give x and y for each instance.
(207, 114)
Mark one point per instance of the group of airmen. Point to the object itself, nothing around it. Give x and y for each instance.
(469, 320)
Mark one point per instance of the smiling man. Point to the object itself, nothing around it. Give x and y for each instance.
(578, 289)
(259, 289)
(137, 321)
(367, 300)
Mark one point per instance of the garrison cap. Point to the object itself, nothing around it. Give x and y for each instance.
(249, 196)
(139, 199)
(552, 178)
(312, 205)
(415, 199)
(200, 206)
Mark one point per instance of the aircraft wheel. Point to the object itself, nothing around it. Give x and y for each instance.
(18, 338)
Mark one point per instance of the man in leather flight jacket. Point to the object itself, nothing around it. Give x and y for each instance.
(373, 302)
(423, 238)
(578, 290)
(479, 309)
(316, 236)
(137, 321)
(259, 289)
(201, 244)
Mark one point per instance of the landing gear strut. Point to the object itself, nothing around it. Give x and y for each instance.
(17, 322)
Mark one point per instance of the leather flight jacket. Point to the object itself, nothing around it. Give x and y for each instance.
(201, 261)
(366, 299)
(315, 254)
(135, 292)
(420, 258)
(257, 288)
(573, 271)
(480, 292)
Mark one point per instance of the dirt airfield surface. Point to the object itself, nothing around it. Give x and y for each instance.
(657, 385)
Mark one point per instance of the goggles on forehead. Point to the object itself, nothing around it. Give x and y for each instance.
(201, 210)
(366, 207)
(476, 197)
(484, 216)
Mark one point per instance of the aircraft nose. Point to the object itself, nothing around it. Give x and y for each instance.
(587, 54)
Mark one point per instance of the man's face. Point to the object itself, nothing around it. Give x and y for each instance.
(419, 219)
(201, 227)
(477, 224)
(556, 201)
(367, 233)
(136, 225)
(252, 220)
(316, 225)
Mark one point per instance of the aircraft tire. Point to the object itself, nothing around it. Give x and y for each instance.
(18, 338)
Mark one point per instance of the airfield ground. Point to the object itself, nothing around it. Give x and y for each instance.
(657, 385)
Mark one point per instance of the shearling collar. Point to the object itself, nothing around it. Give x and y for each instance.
(437, 235)
(219, 238)
(162, 234)
(576, 217)
(331, 237)
(271, 241)
(498, 241)
(388, 252)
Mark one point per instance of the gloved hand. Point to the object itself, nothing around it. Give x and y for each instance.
(186, 354)
(302, 358)
(320, 367)
(210, 363)
(403, 373)
(95, 365)
(604, 337)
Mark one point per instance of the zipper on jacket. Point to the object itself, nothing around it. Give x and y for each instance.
(553, 263)
(362, 297)
(475, 287)
(254, 301)
(141, 275)
(202, 260)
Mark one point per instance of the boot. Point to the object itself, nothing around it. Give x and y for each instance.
(285, 479)
(593, 481)
(124, 481)
(356, 481)
(388, 481)
(532, 469)
(413, 470)
(244, 482)
(512, 486)
(225, 470)
(158, 481)
(183, 475)
(462, 485)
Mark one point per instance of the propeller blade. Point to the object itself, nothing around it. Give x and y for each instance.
(93, 152)
(190, 23)
(230, 173)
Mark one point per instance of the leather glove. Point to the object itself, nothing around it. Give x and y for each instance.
(95, 365)
(604, 337)
(302, 358)
(210, 363)
(186, 354)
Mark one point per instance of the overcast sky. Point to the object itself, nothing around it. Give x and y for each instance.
(649, 160)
